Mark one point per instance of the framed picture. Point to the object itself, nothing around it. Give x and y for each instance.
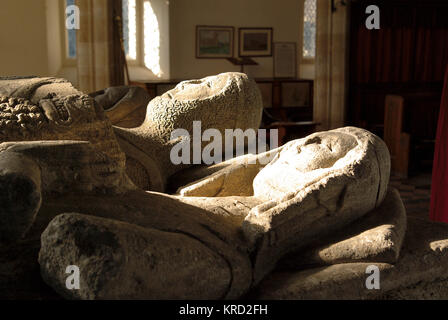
(285, 60)
(214, 42)
(255, 42)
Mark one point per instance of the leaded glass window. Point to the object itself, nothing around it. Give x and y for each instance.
(71, 36)
(309, 29)
(130, 29)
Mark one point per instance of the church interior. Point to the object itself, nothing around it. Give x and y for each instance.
(91, 91)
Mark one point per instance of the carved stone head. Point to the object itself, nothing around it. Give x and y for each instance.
(52, 109)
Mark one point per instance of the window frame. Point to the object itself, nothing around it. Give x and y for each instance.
(138, 65)
(65, 59)
(302, 59)
(139, 61)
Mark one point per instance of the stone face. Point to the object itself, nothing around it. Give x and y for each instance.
(376, 237)
(422, 264)
(312, 188)
(225, 101)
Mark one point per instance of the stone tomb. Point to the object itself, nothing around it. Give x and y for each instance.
(301, 221)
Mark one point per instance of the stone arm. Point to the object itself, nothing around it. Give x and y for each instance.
(233, 177)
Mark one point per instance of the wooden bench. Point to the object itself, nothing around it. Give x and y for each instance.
(396, 140)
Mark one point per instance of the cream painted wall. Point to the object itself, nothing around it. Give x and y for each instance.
(57, 65)
(30, 35)
(23, 37)
(281, 15)
(29, 30)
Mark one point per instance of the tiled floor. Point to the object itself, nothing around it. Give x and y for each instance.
(415, 193)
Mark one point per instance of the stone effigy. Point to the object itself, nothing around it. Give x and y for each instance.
(319, 207)
(39, 109)
(321, 174)
(225, 101)
(33, 109)
(325, 200)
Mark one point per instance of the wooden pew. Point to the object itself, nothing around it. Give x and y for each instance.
(397, 141)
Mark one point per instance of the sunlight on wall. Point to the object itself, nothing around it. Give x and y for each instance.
(152, 40)
(130, 34)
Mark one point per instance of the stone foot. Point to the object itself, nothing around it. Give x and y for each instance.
(118, 260)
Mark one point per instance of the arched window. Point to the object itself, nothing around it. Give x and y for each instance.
(145, 35)
(70, 36)
(309, 30)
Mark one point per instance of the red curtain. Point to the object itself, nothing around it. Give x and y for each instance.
(410, 46)
(408, 54)
(439, 187)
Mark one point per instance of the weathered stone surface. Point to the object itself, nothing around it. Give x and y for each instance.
(52, 109)
(224, 232)
(121, 261)
(20, 194)
(71, 166)
(125, 106)
(423, 263)
(229, 178)
(225, 101)
(425, 290)
(376, 237)
(33, 109)
(309, 189)
(228, 100)
(34, 170)
(20, 277)
(312, 188)
(159, 212)
(218, 222)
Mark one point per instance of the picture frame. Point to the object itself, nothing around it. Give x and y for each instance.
(285, 60)
(214, 42)
(255, 42)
